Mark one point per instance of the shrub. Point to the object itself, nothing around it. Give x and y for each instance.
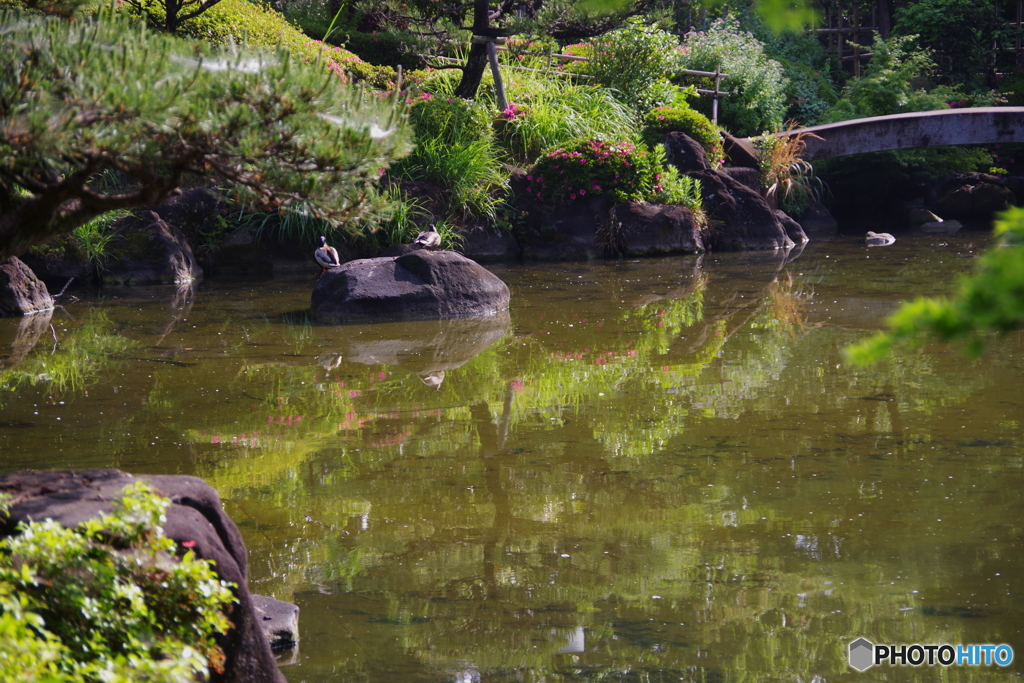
(680, 117)
(635, 61)
(888, 85)
(758, 99)
(261, 27)
(787, 181)
(108, 600)
(452, 119)
(962, 33)
(593, 167)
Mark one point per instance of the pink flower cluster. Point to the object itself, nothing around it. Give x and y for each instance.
(511, 112)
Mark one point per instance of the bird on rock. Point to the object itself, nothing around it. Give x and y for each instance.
(428, 239)
(326, 256)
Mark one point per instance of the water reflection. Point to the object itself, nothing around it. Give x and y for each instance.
(653, 470)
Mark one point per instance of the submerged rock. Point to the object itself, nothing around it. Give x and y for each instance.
(421, 285)
(146, 250)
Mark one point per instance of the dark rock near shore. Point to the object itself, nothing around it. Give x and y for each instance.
(278, 620)
(71, 497)
(564, 233)
(793, 229)
(146, 250)
(21, 292)
(487, 244)
(421, 285)
(685, 153)
(975, 195)
(653, 229)
(748, 176)
(743, 220)
(817, 220)
(739, 151)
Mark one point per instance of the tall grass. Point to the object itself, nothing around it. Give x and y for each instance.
(470, 169)
(94, 237)
(554, 111)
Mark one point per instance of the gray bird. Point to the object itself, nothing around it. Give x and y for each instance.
(326, 257)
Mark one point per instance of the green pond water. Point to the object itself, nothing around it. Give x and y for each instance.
(654, 470)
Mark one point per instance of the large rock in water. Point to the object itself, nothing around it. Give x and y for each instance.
(71, 497)
(743, 218)
(654, 229)
(21, 292)
(147, 251)
(422, 285)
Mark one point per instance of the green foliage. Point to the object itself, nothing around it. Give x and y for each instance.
(635, 61)
(989, 300)
(93, 237)
(591, 167)
(156, 108)
(109, 600)
(455, 148)
(962, 33)
(682, 118)
(809, 93)
(788, 182)
(673, 188)
(888, 85)
(758, 99)
(551, 111)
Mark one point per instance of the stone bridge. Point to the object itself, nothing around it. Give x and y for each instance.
(975, 126)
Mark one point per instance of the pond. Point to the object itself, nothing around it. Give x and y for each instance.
(653, 470)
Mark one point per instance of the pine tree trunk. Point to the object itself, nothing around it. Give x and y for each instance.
(476, 63)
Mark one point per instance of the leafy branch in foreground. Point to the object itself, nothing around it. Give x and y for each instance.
(989, 300)
(81, 97)
(108, 600)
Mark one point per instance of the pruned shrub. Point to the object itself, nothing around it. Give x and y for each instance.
(681, 118)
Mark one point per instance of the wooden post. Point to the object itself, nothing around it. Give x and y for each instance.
(492, 57)
(499, 87)
(714, 101)
(856, 38)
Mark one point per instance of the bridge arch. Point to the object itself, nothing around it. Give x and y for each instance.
(973, 126)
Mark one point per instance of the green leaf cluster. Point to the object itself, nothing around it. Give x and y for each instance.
(757, 87)
(551, 111)
(964, 34)
(636, 61)
(890, 84)
(81, 97)
(989, 300)
(109, 600)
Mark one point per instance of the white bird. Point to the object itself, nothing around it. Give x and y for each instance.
(326, 257)
(879, 239)
(428, 239)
